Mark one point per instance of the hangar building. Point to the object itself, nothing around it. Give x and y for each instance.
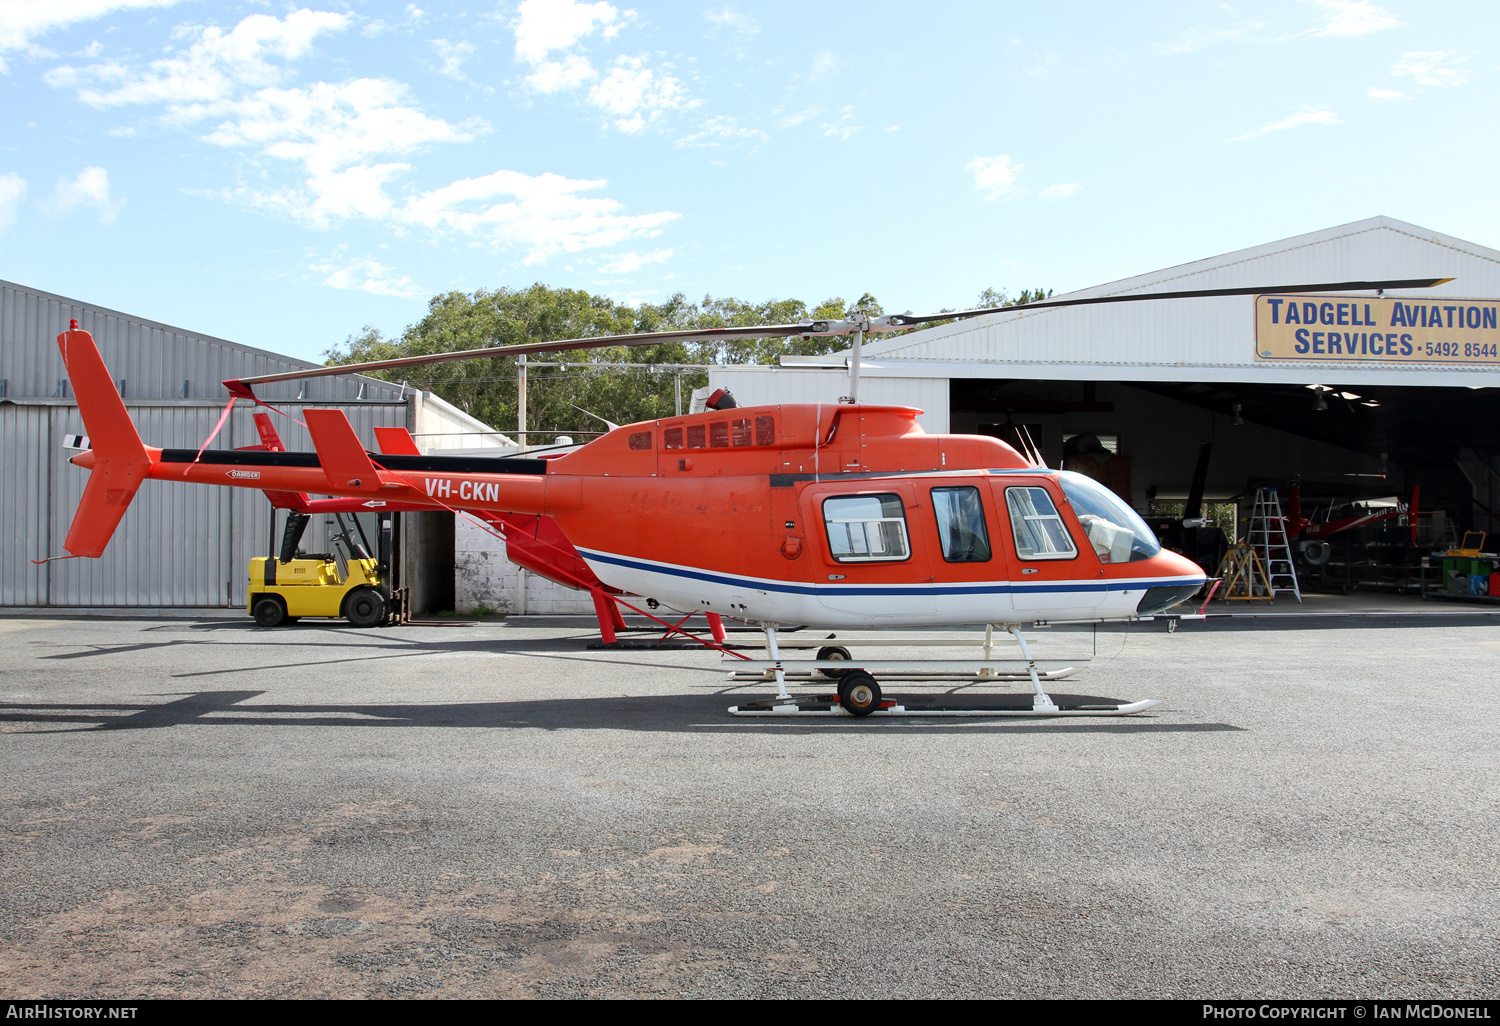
(178, 545)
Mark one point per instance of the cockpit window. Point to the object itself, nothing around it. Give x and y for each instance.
(1039, 529)
(1116, 532)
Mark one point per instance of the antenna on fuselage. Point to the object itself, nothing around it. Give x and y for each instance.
(1032, 453)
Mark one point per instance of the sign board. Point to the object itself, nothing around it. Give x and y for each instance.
(1360, 329)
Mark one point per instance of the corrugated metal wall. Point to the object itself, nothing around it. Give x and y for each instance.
(179, 544)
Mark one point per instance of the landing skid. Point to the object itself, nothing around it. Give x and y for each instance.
(828, 705)
(860, 694)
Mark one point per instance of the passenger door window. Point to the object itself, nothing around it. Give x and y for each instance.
(962, 533)
(866, 528)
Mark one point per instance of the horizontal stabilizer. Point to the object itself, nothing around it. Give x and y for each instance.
(344, 460)
(396, 441)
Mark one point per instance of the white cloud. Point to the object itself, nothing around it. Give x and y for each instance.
(1353, 18)
(562, 76)
(216, 67)
(997, 177)
(12, 191)
(1197, 38)
(734, 29)
(631, 94)
(634, 95)
(1385, 95)
(1060, 191)
(542, 26)
(843, 129)
(544, 213)
(1307, 117)
(453, 56)
(366, 275)
(330, 125)
(340, 138)
(628, 263)
(720, 129)
(730, 20)
(335, 132)
(1432, 67)
(89, 189)
(824, 65)
(22, 21)
(632, 299)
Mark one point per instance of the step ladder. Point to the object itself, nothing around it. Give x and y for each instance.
(1267, 537)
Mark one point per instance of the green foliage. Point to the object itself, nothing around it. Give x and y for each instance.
(487, 388)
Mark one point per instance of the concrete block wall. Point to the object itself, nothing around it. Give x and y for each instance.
(484, 579)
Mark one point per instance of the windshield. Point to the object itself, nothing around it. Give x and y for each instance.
(1117, 533)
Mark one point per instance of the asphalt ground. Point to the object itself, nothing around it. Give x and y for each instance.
(208, 809)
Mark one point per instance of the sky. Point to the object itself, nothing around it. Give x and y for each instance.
(283, 176)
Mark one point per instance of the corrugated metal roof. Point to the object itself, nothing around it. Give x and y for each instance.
(1209, 339)
(153, 360)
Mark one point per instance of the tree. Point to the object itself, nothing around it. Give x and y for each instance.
(487, 388)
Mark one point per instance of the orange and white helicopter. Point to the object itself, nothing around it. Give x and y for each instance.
(832, 515)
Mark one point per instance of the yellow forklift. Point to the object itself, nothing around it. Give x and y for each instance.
(348, 582)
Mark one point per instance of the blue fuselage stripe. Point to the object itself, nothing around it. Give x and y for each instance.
(842, 590)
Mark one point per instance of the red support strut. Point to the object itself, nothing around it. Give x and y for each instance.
(716, 624)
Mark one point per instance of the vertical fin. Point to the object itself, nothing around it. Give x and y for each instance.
(345, 462)
(121, 462)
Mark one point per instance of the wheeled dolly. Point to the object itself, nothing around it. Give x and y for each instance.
(859, 693)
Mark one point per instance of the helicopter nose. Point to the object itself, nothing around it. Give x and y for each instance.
(1164, 596)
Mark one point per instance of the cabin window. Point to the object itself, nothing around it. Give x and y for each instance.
(640, 440)
(718, 434)
(960, 523)
(1039, 529)
(765, 431)
(671, 438)
(695, 436)
(739, 431)
(866, 528)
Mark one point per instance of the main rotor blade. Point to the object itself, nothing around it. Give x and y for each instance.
(893, 322)
(645, 338)
(906, 320)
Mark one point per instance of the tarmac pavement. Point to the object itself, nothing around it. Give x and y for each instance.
(202, 808)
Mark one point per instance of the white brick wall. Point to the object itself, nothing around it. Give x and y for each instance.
(484, 578)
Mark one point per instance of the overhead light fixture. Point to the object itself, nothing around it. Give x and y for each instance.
(1238, 420)
(1319, 403)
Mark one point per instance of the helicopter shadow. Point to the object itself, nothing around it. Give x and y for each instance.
(695, 714)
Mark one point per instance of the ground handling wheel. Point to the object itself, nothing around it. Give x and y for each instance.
(269, 612)
(365, 607)
(834, 652)
(859, 693)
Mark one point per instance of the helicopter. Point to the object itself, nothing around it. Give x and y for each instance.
(828, 514)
